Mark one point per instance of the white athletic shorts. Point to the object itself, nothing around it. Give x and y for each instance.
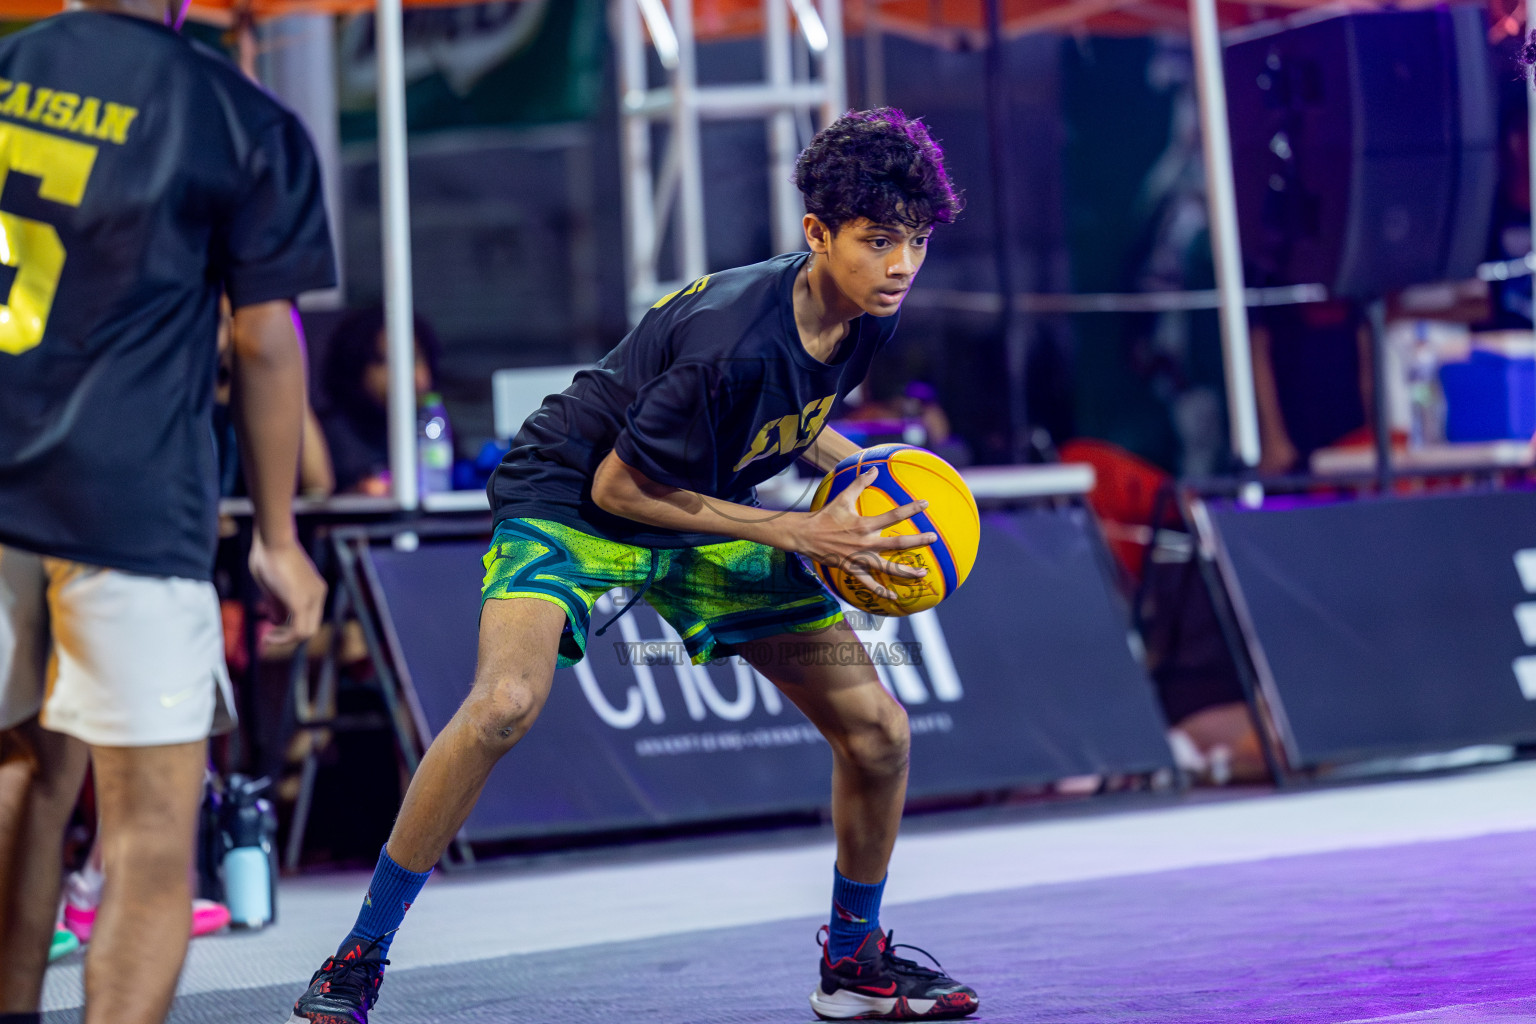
(112, 658)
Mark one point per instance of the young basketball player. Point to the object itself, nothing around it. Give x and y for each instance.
(641, 475)
(140, 178)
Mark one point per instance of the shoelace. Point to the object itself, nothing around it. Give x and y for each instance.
(911, 968)
(900, 965)
(344, 978)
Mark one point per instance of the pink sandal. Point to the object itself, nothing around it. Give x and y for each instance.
(207, 917)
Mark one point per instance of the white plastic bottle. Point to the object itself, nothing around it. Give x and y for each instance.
(434, 446)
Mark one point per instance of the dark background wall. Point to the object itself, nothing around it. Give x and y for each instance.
(518, 232)
(518, 237)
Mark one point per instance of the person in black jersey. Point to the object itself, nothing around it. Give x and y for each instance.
(141, 176)
(641, 475)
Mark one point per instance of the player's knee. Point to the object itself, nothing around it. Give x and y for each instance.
(148, 855)
(502, 710)
(881, 746)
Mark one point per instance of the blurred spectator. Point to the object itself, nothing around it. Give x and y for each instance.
(1312, 380)
(355, 384)
(316, 479)
(914, 417)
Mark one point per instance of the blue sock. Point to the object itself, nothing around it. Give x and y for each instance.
(390, 894)
(855, 913)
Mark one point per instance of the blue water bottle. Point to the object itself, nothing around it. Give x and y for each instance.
(250, 856)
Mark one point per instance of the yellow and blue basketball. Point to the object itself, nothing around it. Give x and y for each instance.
(908, 473)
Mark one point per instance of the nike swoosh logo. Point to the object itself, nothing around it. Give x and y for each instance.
(170, 700)
(887, 990)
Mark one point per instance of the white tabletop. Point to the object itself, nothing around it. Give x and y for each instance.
(1472, 455)
(987, 483)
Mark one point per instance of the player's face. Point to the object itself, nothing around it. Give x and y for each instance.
(875, 264)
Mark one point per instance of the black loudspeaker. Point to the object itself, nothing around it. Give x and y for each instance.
(1364, 149)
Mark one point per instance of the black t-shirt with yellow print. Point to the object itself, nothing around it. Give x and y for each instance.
(141, 175)
(713, 392)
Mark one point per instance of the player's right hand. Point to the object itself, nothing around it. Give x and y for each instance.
(287, 576)
(837, 536)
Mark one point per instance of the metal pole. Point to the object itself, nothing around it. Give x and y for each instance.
(396, 220)
(639, 201)
(1015, 338)
(834, 63)
(1381, 415)
(298, 63)
(1242, 410)
(693, 263)
(874, 61)
(1530, 141)
(783, 145)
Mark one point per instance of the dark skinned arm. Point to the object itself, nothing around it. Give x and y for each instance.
(267, 399)
(834, 535)
(829, 449)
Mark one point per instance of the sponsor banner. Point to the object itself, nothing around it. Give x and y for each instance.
(1024, 675)
(1394, 625)
(495, 64)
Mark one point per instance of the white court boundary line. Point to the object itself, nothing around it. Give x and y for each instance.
(1499, 1011)
(472, 916)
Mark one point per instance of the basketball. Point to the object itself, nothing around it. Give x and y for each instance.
(908, 473)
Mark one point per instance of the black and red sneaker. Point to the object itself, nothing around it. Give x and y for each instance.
(344, 989)
(875, 984)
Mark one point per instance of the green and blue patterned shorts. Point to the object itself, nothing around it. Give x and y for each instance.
(717, 596)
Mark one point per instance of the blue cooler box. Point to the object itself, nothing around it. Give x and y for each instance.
(1490, 397)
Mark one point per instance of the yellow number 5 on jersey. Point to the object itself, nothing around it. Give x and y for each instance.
(32, 247)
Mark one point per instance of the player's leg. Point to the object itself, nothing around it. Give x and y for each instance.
(139, 676)
(40, 773)
(867, 730)
(519, 642)
(541, 581)
(829, 677)
(149, 797)
(40, 776)
(518, 647)
(766, 605)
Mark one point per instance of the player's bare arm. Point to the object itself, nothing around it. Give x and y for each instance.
(836, 534)
(269, 408)
(829, 449)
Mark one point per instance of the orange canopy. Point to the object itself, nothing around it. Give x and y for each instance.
(951, 21)
(943, 21)
(223, 11)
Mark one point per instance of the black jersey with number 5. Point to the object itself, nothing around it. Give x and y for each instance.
(141, 175)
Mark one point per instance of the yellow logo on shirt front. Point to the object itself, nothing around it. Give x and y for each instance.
(788, 433)
(693, 289)
(67, 111)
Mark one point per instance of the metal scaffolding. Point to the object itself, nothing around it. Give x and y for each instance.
(669, 199)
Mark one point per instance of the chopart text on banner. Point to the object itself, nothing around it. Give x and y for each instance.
(998, 699)
(914, 670)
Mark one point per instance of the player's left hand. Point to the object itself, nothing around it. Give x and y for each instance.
(287, 576)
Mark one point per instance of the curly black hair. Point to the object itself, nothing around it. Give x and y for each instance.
(878, 164)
